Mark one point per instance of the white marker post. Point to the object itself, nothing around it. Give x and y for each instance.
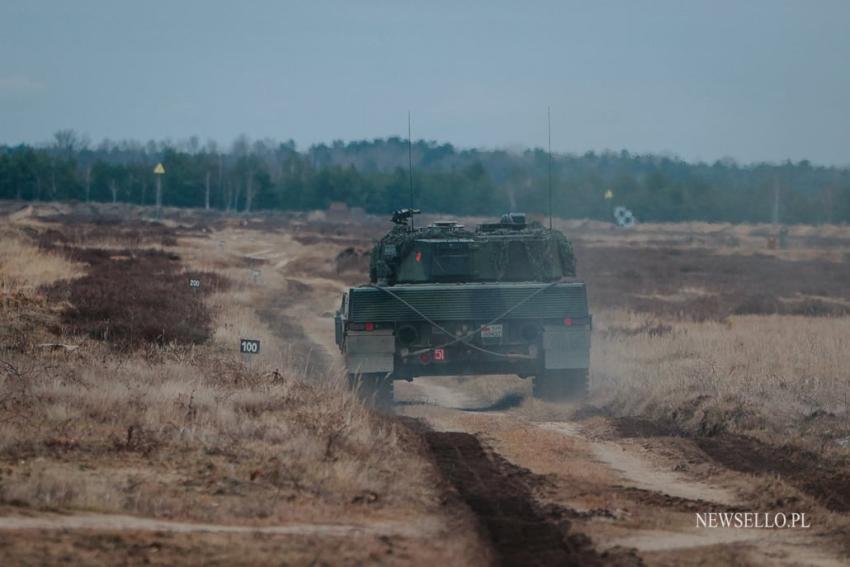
(609, 195)
(159, 171)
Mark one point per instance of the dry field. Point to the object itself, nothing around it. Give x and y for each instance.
(131, 430)
(122, 395)
(708, 329)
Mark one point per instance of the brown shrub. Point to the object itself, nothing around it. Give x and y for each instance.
(134, 297)
(98, 231)
(651, 280)
(757, 304)
(652, 329)
(353, 260)
(817, 308)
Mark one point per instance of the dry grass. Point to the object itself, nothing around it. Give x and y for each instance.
(194, 431)
(25, 314)
(744, 239)
(24, 267)
(778, 377)
(709, 327)
(134, 435)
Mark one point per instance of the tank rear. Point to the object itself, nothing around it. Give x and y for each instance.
(447, 300)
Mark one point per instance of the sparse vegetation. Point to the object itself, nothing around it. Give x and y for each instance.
(178, 426)
(780, 378)
(707, 327)
(250, 444)
(25, 314)
(24, 267)
(133, 297)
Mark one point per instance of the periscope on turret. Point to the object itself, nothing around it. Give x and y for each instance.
(446, 300)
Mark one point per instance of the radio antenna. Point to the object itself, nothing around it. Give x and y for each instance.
(410, 165)
(549, 122)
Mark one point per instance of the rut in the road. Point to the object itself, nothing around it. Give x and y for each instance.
(306, 354)
(496, 491)
(825, 479)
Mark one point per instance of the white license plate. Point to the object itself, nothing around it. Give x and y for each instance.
(491, 331)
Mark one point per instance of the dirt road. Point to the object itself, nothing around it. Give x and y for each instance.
(635, 499)
(558, 485)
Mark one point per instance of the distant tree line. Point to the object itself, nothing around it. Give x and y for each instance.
(266, 174)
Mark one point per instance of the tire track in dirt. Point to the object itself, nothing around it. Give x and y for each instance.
(828, 482)
(825, 480)
(618, 493)
(645, 476)
(119, 522)
(295, 305)
(520, 532)
(276, 313)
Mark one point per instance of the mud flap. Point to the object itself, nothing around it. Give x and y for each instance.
(566, 347)
(369, 351)
(338, 329)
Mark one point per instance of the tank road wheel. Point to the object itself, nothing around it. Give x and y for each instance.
(374, 390)
(561, 385)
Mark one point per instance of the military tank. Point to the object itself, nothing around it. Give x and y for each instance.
(445, 300)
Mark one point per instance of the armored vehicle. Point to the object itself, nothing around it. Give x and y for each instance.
(444, 300)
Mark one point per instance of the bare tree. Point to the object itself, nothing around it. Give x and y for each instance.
(242, 150)
(193, 144)
(241, 146)
(249, 190)
(113, 188)
(87, 181)
(68, 142)
(18, 188)
(236, 188)
(775, 213)
(207, 192)
(221, 179)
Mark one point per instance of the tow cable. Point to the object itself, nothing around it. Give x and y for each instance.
(466, 338)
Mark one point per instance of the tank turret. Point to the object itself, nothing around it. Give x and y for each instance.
(446, 251)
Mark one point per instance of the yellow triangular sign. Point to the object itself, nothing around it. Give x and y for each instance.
(159, 170)
(609, 194)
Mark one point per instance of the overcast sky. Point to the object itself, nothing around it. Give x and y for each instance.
(752, 80)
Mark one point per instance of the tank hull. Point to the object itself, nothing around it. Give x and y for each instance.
(522, 328)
